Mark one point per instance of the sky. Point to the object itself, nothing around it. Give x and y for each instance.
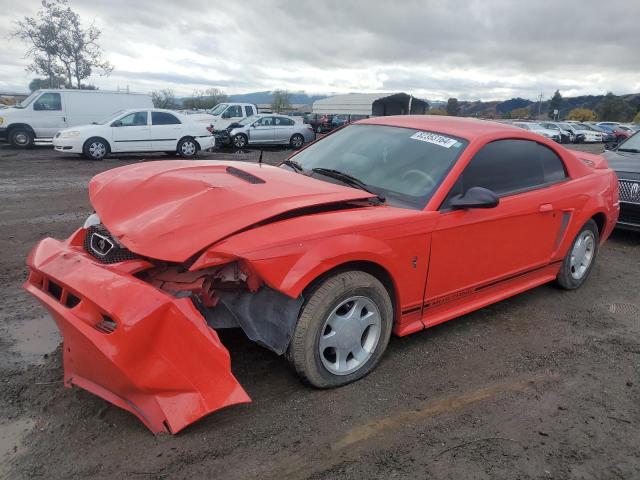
(469, 49)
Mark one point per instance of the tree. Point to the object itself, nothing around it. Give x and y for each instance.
(520, 113)
(554, 104)
(453, 107)
(582, 115)
(636, 119)
(164, 99)
(281, 100)
(436, 111)
(614, 109)
(205, 99)
(59, 45)
(38, 83)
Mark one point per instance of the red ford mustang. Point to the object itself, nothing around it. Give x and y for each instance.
(391, 224)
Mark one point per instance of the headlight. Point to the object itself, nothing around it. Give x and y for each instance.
(91, 220)
(70, 134)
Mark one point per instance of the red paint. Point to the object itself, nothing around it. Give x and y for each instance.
(165, 365)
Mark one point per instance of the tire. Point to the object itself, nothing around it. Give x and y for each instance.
(328, 305)
(296, 141)
(239, 141)
(575, 270)
(21, 137)
(95, 148)
(319, 129)
(187, 148)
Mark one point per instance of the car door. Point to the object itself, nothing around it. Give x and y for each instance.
(131, 132)
(262, 131)
(475, 248)
(282, 129)
(48, 115)
(166, 130)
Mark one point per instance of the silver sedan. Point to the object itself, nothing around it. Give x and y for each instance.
(271, 129)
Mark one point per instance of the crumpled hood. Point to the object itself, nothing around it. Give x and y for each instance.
(171, 210)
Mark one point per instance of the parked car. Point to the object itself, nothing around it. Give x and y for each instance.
(225, 114)
(539, 129)
(391, 224)
(321, 123)
(566, 136)
(267, 129)
(585, 133)
(137, 130)
(624, 158)
(608, 134)
(37, 118)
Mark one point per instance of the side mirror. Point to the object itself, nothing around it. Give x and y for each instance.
(475, 197)
(226, 115)
(117, 123)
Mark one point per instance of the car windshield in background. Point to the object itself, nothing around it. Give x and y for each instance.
(248, 120)
(24, 103)
(631, 144)
(218, 109)
(403, 165)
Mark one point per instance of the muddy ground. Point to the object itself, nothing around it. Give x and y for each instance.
(543, 385)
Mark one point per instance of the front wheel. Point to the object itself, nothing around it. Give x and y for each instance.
(21, 138)
(187, 148)
(580, 258)
(343, 330)
(95, 149)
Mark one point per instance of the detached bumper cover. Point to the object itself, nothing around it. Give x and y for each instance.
(129, 343)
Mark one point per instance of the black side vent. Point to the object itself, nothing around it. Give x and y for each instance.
(247, 177)
(107, 325)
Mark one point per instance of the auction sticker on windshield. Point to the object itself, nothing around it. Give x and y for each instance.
(434, 138)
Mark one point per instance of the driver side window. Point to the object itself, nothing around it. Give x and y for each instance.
(136, 119)
(510, 166)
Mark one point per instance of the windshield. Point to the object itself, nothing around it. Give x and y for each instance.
(24, 103)
(110, 118)
(218, 109)
(403, 165)
(249, 120)
(583, 126)
(631, 144)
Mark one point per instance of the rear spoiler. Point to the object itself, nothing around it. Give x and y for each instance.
(597, 162)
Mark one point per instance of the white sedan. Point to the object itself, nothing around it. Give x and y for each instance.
(138, 130)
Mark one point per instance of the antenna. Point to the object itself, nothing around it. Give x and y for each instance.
(260, 158)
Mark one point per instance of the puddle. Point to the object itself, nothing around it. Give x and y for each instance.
(34, 338)
(11, 434)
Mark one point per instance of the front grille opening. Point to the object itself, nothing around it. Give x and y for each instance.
(107, 325)
(55, 290)
(71, 300)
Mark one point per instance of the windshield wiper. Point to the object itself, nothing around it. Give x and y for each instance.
(348, 179)
(293, 164)
(632, 150)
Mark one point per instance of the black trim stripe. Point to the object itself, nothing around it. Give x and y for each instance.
(466, 292)
(409, 310)
(146, 140)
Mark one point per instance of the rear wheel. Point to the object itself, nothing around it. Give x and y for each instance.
(580, 258)
(187, 148)
(20, 137)
(296, 141)
(239, 140)
(343, 330)
(95, 148)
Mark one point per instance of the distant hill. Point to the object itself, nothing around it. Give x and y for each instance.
(267, 97)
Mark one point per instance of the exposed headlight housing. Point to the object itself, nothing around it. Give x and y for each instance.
(70, 134)
(91, 220)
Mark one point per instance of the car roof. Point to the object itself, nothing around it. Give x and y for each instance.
(469, 128)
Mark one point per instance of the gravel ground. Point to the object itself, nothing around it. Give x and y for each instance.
(543, 385)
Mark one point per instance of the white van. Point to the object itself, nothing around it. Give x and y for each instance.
(224, 114)
(38, 117)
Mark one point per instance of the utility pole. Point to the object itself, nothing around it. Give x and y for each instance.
(540, 105)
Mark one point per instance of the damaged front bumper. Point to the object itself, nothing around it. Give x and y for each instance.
(128, 342)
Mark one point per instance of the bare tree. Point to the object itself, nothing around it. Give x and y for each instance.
(59, 45)
(281, 100)
(163, 98)
(205, 99)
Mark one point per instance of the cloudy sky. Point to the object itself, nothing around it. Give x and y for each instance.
(470, 49)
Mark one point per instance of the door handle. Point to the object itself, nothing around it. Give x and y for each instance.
(546, 207)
